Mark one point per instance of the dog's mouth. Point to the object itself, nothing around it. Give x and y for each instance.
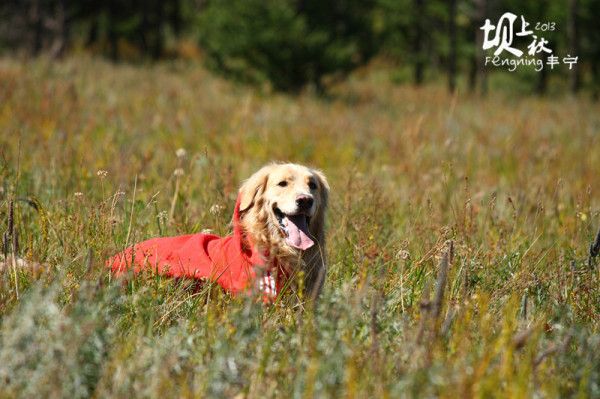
(295, 229)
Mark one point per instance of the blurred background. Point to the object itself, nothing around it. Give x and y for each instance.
(291, 45)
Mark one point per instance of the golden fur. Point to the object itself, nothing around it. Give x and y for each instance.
(262, 193)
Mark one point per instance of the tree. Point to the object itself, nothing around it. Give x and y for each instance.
(477, 72)
(289, 44)
(589, 36)
(573, 31)
(417, 42)
(453, 45)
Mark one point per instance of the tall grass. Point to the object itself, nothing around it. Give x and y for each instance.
(458, 237)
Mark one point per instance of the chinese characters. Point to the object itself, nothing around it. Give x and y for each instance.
(501, 37)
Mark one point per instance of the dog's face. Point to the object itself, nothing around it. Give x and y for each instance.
(286, 203)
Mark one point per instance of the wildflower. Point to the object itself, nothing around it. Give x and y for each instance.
(403, 254)
(181, 152)
(102, 174)
(162, 216)
(78, 194)
(216, 209)
(178, 172)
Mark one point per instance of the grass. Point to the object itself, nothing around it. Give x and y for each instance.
(88, 155)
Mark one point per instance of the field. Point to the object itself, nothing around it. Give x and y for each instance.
(88, 154)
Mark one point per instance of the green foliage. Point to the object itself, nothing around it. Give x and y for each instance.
(289, 44)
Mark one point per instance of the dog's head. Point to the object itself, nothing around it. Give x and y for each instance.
(282, 207)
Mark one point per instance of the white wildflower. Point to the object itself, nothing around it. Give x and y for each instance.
(216, 209)
(181, 152)
(162, 216)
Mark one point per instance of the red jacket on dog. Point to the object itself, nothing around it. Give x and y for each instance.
(231, 261)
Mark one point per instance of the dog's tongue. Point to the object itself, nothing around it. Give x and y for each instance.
(298, 232)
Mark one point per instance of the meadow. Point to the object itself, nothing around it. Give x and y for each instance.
(458, 237)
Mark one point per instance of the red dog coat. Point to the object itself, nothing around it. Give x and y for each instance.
(232, 261)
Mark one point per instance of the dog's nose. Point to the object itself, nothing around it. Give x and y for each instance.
(304, 202)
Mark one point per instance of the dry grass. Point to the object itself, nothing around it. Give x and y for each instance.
(511, 182)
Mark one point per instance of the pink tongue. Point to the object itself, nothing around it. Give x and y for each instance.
(297, 232)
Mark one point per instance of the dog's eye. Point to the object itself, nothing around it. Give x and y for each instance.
(282, 183)
(312, 185)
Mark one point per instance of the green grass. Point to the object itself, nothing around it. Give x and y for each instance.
(511, 181)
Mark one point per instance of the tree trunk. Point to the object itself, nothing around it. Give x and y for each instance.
(595, 81)
(481, 13)
(62, 34)
(157, 48)
(112, 30)
(573, 32)
(542, 84)
(452, 55)
(92, 36)
(37, 20)
(143, 30)
(473, 74)
(419, 64)
(176, 18)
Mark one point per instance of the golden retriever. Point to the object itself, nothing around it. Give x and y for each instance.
(282, 209)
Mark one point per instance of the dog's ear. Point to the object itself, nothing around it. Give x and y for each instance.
(323, 187)
(253, 187)
(315, 267)
(317, 224)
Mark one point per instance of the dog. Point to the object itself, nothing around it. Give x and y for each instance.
(278, 232)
